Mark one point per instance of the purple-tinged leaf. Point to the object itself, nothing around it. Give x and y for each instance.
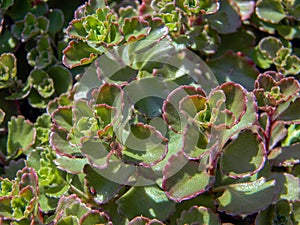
(79, 53)
(94, 217)
(81, 109)
(192, 104)
(171, 105)
(59, 142)
(144, 221)
(104, 113)
(185, 181)
(236, 99)
(28, 177)
(158, 29)
(62, 118)
(272, 88)
(199, 215)
(246, 8)
(152, 203)
(96, 150)
(269, 46)
(135, 29)
(247, 121)
(285, 156)
(104, 189)
(70, 206)
(144, 146)
(278, 132)
(195, 141)
(92, 5)
(21, 205)
(71, 165)
(76, 29)
(234, 67)
(247, 198)
(63, 100)
(205, 200)
(251, 147)
(21, 136)
(107, 94)
(291, 114)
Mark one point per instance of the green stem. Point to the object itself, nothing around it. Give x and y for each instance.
(86, 198)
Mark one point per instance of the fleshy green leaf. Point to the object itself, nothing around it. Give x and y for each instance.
(290, 114)
(234, 67)
(71, 165)
(144, 221)
(30, 27)
(284, 156)
(200, 215)
(42, 55)
(144, 146)
(250, 146)
(21, 135)
(103, 188)
(56, 20)
(70, 206)
(184, 179)
(246, 8)
(288, 186)
(247, 198)
(8, 70)
(226, 20)
(270, 10)
(94, 217)
(79, 53)
(135, 29)
(61, 77)
(155, 203)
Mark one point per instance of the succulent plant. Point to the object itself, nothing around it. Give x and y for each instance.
(149, 112)
(8, 70)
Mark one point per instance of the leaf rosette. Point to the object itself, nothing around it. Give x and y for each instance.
(8, 70)
(30, 27)
(204, 115)
(88, 129)
(20, 199)
(273, 89)
(97, 28)
(44, 85)
(72, 210)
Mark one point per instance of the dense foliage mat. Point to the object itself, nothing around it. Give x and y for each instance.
(149, 112)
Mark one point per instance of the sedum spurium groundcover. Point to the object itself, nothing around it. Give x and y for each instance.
(150, 112)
